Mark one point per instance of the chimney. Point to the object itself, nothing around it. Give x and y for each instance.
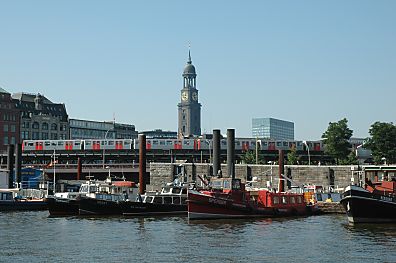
(216, 153)
(231, 153)
(281, 171)
(10, 165)
(142, 163)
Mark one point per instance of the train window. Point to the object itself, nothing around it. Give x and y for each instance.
(60, 143)
(223, 143)
(53, 143)
(162, 143)
(30, 144)
(169, 142)
(238, 143)
(47, 143)
(155, 142)
(87, 143)
(278, 143)
(285, 143)
(186, 142)
(264, 143)
(111, 142)
(104, 143)
(127, 142)
(77, 143)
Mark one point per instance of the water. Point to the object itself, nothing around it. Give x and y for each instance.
(34, 237)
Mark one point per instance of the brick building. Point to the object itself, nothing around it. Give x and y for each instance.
(9, 121)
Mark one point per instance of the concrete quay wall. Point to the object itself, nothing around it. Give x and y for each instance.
(338, 176)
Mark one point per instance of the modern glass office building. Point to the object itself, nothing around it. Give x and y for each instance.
(272, 128)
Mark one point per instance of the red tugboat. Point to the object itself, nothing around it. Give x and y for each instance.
(228, 197)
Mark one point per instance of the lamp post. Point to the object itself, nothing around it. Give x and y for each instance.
(309, 156)
(104, 146)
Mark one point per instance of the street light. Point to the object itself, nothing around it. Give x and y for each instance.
(309, 156)
(104, 146)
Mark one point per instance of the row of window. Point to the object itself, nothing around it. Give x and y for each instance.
(7, 140)
(44, 126)
(25, 135)
(11, 128)
(287, 200)
(9, 117)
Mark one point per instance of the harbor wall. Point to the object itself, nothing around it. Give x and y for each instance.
(337, 177)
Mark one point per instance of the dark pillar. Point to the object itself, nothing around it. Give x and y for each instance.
(79, 168)
(231, 153)
(10, 165)
(142, 163)
(18, 163)
(281, 172)
(216, 153)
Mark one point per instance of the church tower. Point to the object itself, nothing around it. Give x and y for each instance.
(189, 107)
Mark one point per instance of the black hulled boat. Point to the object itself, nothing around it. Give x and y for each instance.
(375, 202)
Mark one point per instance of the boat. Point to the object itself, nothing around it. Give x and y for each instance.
(373, 201)
(172, 200)
(228, 198)
(11, 200)
(107, 198)
(68, 203)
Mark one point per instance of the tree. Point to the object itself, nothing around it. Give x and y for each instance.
(336, 140)
(350, 160)
(382, 142)
(249, 157)
(292, 155)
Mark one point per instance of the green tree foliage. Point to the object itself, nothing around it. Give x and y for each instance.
(249, 157)
(336, 140)
(350, 160)
(382, 142)
(292, 155)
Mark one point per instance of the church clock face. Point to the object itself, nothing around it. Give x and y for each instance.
(184, 96)
(194, 96)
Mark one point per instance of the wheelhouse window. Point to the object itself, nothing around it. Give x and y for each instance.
(157, 200)
(299, 199)
(284, 199)
(167, 200)
(292, 200)
(176, 200)
(176, 190)
(276, 200)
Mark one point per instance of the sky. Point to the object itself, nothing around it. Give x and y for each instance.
(309, 62)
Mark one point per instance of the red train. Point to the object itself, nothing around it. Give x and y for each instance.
(242, 144)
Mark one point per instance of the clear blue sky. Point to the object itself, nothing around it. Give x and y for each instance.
(310, 62)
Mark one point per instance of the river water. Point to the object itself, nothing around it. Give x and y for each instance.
(35, 237)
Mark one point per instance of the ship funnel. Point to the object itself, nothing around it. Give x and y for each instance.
(10, 165)
(231, 153)
(18, 163)
(281, 172)
(216, 153)
(142, 163)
